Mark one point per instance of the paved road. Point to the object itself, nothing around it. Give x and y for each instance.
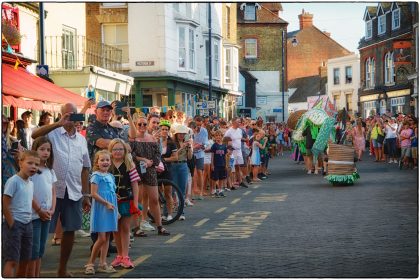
(291, 225)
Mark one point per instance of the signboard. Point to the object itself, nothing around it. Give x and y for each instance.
(245, 113)
(402, 52)
(277, 110)
(206, 105)
(42, 70)
(261, 100)
(145, 63)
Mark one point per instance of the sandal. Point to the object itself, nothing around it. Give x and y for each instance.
(90, 269)
(56, 241)
(137, 232)
(106, 268)
(164, 232)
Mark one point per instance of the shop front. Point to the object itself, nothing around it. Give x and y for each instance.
(369, 105)
(399, 101)
(171, 92)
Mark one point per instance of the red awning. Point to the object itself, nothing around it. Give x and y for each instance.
(20, 83)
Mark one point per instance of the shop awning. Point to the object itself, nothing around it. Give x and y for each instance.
(21, 84)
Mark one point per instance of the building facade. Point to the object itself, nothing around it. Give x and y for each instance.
(387, 59)
(260, 33)
(343, 82)
(308, 50)
(78, 60)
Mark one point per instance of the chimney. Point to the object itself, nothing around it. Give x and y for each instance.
(305, 20)
(323, 71)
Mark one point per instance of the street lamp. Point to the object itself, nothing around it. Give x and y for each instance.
(282, 72)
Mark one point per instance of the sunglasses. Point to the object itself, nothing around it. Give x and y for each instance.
(155, 122)
(142, 124)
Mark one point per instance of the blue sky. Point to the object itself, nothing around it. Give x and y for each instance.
(343, 20)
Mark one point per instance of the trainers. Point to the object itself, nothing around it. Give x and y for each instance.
(390, 161)
(248, 179)
(221, 194)
(188, 202)
(82, 233)
(127, 263)
(242, 184)
(181, 218)
(117, 261)
(395, 161)
(227, 189)
(146, 226)
(106, 268)
(216, 194)
(169, 217)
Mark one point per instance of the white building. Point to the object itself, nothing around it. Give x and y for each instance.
(75, 61)
(344, 81)
(168, 54)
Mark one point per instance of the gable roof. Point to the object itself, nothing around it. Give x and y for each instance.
(306, 86)
(370, 13)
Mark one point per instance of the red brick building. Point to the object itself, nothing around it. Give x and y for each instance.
(314, 47)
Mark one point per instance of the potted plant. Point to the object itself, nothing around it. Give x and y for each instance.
(11, 33)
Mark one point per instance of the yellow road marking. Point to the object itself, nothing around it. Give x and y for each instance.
(175, 238)
(202, 222)
(235, 201)
(220, 210)
(247, 192)
(136, 262)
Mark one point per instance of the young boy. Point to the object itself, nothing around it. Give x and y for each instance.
(218, 163)
(17, 211)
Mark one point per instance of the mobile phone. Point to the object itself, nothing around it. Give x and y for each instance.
(90, 94)
(15, 145)
(77, 117)
(118, 108)
(187, 137)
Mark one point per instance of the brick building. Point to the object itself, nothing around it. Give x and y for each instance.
(308, 50)
(387, 58)
(260, 35)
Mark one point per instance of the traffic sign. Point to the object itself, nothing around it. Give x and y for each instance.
(206, 105)
(42, 70)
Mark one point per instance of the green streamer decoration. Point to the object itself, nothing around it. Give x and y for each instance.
(344, 180)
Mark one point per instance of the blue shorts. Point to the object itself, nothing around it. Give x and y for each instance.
(16, 242)
(39, 238)
(199, 163)
(376, 144)
(69, 212)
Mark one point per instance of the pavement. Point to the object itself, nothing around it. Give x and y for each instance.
(290, 225)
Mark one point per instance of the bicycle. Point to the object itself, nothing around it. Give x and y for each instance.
(177, 198)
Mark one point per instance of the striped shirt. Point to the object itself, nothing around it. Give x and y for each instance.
(134, 175)
(70, 156)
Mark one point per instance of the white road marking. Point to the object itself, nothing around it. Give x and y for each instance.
(247, 192)
(235, 201)
(220, 210)
(175, 238)
(202, 222)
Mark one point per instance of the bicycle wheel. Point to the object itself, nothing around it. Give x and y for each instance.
(173, 200)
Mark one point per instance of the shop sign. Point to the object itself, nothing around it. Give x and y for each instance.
(369, 97)
(277, 110)
(145, 63)
(206, 105)
(261, 100)
(397, 93)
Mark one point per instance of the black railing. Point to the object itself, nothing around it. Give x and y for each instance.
(73, 52)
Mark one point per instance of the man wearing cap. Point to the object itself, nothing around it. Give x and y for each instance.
(100, 132)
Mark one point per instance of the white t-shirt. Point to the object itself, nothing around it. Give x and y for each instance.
(43, 184)
(236, 136)
(391, 133)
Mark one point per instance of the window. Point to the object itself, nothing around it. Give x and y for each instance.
(370, 73)
(397, 105)
(207, 58)
(216, 60)
(250, 12)
(349, 74)
(181, 47)
(116, 35)
(395, 19)
(382, 24)
(228, 65)
(227, 22)
(68, 46)
(336, 76)
(389, 68)
(191, 49)
(250, 48)
(235, 66)
(349, 103)
(368, 29)
(336, 99)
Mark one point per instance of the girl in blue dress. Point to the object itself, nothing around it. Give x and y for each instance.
(104, 213)
(255, 156)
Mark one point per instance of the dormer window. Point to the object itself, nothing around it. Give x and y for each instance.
(381, 24)
(250, 12)
(396, 19)
(369, 29)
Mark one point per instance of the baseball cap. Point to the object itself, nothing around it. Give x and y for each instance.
(103, 104)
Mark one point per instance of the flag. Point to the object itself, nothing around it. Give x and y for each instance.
(330, 109)
(318, 104)
(17, 63)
